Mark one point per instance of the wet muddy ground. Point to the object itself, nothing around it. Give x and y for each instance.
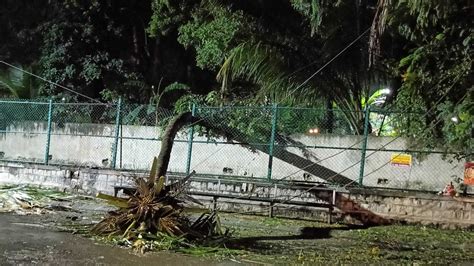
(27, 240)
(58, 236)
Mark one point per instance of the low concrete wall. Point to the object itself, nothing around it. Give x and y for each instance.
(384, 206)
(354, 206)
(91, 145)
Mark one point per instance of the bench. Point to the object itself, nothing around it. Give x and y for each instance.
(271, 201)
(128, 190)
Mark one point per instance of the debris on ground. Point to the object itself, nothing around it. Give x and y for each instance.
(22, 199)
(255, 239)
(153, 217)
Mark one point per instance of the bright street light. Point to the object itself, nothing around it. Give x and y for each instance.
(313, 131)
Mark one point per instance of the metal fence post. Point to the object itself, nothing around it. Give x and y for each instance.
(48, 138)
(272, 141)
(121, 142)
(117, 130)
(364, 145)
(190, 142)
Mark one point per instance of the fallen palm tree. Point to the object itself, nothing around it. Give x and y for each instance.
(156, 208)
(154, 211)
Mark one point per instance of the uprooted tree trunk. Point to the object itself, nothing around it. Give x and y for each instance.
(167, 140)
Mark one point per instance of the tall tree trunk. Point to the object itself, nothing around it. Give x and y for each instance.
(167, 141)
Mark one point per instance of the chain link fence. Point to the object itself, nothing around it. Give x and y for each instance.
(92, 126)
(279, 144)
(23, 131)
(139, 140)
(238, 143)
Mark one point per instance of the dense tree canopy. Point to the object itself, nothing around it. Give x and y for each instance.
(171, 52)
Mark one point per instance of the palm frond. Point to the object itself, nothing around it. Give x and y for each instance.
(262, 65)
(154, 167)
(311, 10)
(155, 209)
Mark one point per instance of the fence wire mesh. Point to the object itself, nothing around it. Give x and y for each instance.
(141, 127)
(82, 134)
(314, 144)
(234, 144)
(23, 127)
(271, 142)
(395, 161)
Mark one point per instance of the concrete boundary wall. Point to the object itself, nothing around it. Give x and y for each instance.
(91, 145)
(355, 206)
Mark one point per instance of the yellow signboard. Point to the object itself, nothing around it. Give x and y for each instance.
(400, 159)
